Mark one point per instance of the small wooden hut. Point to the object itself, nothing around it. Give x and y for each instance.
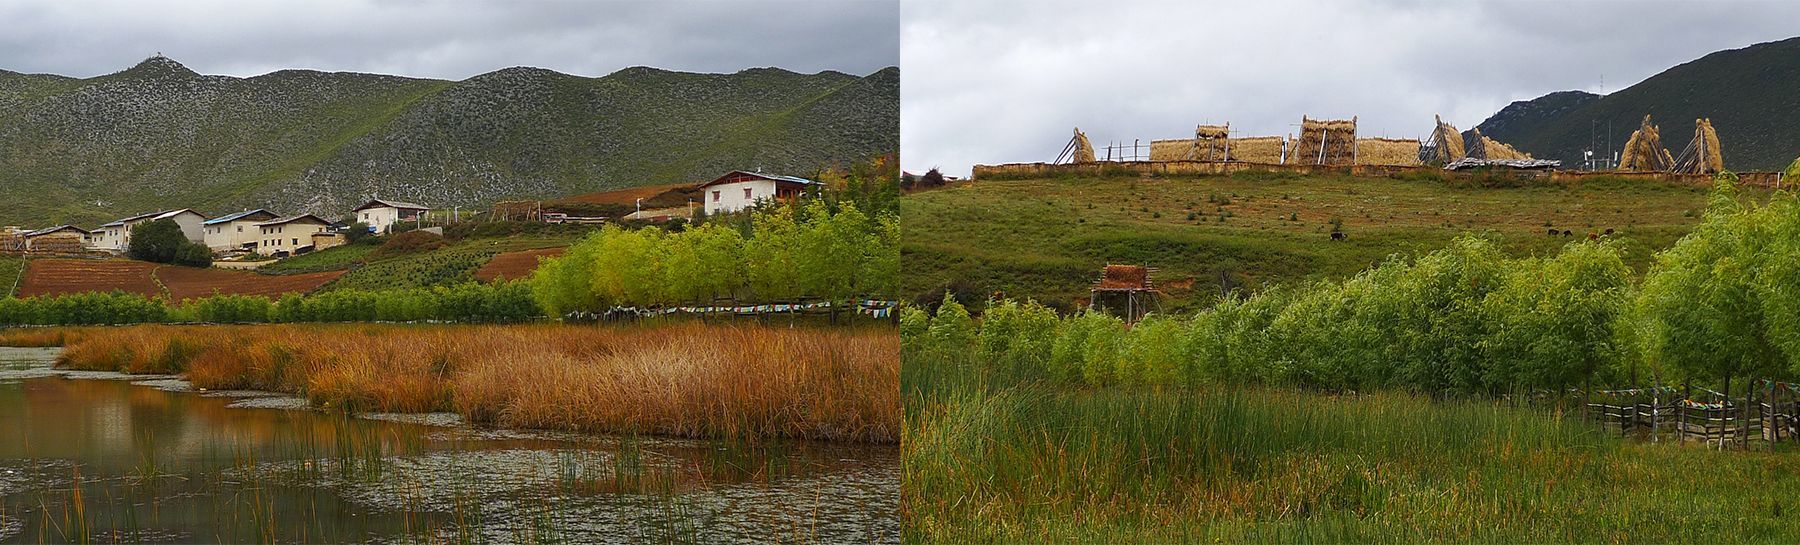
(1124, 291)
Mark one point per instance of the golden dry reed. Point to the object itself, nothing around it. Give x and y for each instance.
(678, 379)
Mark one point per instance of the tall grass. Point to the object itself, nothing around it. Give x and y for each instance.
(680, 379)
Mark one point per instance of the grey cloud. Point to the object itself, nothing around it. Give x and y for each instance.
(990, 82)
(449, 39)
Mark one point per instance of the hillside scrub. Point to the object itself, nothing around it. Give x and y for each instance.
(1464, 320)
(838, 254)
(468, 303)
(680, 379)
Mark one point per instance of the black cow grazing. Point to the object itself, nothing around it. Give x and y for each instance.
(1608, 232)
(1568, 233)
(1339, 235)
(1554, 232)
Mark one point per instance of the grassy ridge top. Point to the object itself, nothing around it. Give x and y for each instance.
(1048, 238)
(161, 136)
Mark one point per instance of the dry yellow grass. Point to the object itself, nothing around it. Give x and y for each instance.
(681, 379)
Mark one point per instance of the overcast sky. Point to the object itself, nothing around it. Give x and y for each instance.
(996, 82)
(448, 39)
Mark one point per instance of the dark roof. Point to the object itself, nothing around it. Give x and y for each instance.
(239, 215)
(773, 177)
(48, 230)
(380, 203)
(291, 219)
(123, 221)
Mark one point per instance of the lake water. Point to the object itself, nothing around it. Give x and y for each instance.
(104, 457)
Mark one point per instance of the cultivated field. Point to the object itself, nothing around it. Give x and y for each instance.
(1047, 239)
(514, 265)
(64, 276)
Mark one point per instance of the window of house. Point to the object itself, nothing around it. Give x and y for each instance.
(296, 242)
(747, 193)
(715, 196)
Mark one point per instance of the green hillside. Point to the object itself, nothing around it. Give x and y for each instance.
(1748, 93)
(1047, 239)
(161, 136)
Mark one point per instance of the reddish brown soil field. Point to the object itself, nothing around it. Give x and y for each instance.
(514, 265)
(62, 276)
(188, 282)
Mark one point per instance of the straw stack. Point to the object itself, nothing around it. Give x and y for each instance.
(1170, 150)
(1325, 142)
(1084, 150)
(1482, 147)
(1644, 150)
(1702, 153)
(1258, 149)
(1446, 144)
(1387, 151)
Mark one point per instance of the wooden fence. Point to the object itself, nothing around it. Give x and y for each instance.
(1764, 417)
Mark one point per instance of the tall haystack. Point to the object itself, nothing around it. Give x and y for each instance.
(1211, 143)
(1078, 150)
(1644, 151)
(1445, 145)
(1387, 151)
(1702, 153)
(1324, 142)
(1482, 147)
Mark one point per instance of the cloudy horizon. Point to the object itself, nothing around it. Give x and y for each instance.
(449, 40)
(1006, 81)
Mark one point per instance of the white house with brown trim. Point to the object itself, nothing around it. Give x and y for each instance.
(381, 215)
(115, 236)
(738, 189)
(289, 235)
(235, 231)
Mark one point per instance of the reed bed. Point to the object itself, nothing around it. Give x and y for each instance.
(1035, 463)
(678, 379)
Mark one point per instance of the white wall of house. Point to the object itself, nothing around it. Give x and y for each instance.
(191, 223)
(231, 235)
(383, 218)
(287, 237)
(735, 196)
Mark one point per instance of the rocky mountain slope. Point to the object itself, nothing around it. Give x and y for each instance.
(159, 135)
(1749, 93)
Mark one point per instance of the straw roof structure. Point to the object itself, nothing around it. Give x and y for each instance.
(1645, 151)
(1124, 277)
(1488, 149)
(1325, 142)
(1387, 151)
(1702, 153)
(1445, 145)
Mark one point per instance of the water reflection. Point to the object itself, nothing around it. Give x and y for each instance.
(108, 458)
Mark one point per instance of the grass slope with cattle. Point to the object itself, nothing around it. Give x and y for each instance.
(1047, 239)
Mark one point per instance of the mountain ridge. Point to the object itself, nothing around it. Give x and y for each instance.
(1748, 93)
(159, 135)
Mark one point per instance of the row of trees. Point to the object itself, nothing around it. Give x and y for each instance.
(817, 250)
(470, 302)
(1723, 302)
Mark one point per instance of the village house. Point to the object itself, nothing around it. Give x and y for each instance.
(381, 215)
(116, 236)
(281, 237)
(737, 190)
(235, 231)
